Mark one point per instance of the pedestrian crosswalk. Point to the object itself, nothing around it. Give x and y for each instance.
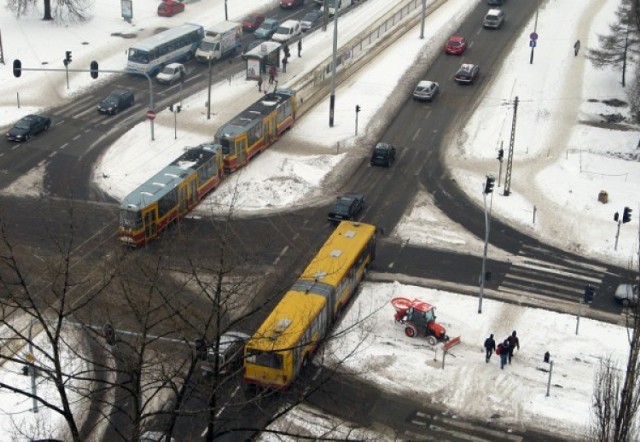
(440, 427)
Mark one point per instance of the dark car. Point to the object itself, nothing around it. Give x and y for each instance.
(456, 45)
(170, 8)
(310, 20)
(467, 73)
(252, 22)
(267, 28)
(28, 126)
(346, 207)
(230, 353)
(116, 101)
(288, 4)
(383, 154)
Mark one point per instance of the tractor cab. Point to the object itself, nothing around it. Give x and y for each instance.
(419, 319)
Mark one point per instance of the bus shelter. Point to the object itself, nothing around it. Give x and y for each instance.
(260, 58)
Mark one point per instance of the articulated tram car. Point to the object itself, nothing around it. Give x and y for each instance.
(303, 318)
(170, 194)
(256, 128)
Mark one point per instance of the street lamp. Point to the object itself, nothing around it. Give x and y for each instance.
(488, 188)
(332, 98)
(210, 58)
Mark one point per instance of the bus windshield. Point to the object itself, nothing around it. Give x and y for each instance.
(265, 359)
(130, 219)
(138, 55)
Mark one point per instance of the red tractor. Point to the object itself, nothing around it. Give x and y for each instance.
(419, 319)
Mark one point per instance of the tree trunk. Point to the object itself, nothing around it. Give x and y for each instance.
(47, 10)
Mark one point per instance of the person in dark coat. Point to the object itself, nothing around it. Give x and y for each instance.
(299, 48)
(285, 49)
(514, 343)
(285, 60)
(490, 347)
(272, 74)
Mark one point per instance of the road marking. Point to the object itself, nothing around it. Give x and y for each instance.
(416, 134)
(284, 250)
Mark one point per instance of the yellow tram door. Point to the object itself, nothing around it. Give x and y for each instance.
(150, 220)
(193, 190)
(241, 150)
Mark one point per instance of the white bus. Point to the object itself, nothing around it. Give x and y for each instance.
(153, 53)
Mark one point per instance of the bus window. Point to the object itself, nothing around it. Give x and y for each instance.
(265, 359)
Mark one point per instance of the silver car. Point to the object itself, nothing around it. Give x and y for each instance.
(627, 294)
(426, 90)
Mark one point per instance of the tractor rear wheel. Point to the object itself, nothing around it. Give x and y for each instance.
(410, 331)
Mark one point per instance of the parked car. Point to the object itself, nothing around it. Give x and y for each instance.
(456, 45)
(288, 4)
(346, 207)
(495, 2)
(286, 31)
(169, 8)
(426, 90)
(267, 28)
(252, 22)
(116, 101)
(171, 73)
(28, 126)
(467, 73)
(493, 19)
(627, 294)
(310, 20)
(384, 154)
(230, 353)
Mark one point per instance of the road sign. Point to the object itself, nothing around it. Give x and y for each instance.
(533, 36)
(532, 43)
(151, 114)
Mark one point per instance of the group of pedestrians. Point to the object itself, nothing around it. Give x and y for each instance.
(285, 60)
(504, 349)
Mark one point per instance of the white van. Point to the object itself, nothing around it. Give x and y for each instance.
(286, 31)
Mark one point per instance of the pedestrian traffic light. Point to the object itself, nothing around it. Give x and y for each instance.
(109, 334)
(357, 108)
(17, 68)
(589, 293)
(94, 69)
(501, 154)
(67, 57)
(201, 349)
(626, 215)
(488, 185)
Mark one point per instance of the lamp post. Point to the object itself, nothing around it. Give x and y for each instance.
(226, 13)
(209, 89)
(488, 188)
(332, 98)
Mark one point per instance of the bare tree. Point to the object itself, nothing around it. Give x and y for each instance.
(59, 10)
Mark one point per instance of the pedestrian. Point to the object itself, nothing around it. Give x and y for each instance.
(285, 60)
(272, 74)
(299, 48)
(260, 83)
(514, 343)
(489, 346)
(501, 351)
(285, 48)
(576, 48)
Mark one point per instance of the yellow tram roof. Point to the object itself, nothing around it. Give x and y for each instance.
(338, 253)
(286, 324)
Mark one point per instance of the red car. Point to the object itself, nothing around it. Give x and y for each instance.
(252, 22)
(456, 45)
(170, 8)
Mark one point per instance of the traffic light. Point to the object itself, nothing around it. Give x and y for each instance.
(500, 154)
(201, 349)
(357, 108)
(626, 215)
(488, 185)
(109, 334)
(17, 68)
(94, 69)
(177, 108)
(589, 293)
(67, 57)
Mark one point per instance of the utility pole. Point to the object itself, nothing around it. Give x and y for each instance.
(334, 60)
(507, 177)
(488, 188)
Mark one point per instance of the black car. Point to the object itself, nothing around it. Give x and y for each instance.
(346, 207)
(116, 101)
(28, 126)
(384, 154)
(467, 73)
(230, 353)
(310, 20)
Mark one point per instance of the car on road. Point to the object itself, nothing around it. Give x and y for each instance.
(252, 22)
(493, 19)
(627, 294)
(28, 126)
(155, 436)
(116, 101)
(286, 31)
(467, 73)
(289, 4)
(230, 353)
(384, 154)
(170, 8)
(456, 45)
(267, 28)
(425, 90)
(171, 73)
(495, 2)
(310, 19)
(346, 207)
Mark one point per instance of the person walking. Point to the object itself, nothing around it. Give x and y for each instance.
(285, 49)
(260, 83)
(299, 48)
(502, 352)
(489, 346)
(272, 74)
(285, 60)
(576, 48)
(514, 343)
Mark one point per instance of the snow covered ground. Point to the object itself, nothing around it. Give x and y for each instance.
(562, 160)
